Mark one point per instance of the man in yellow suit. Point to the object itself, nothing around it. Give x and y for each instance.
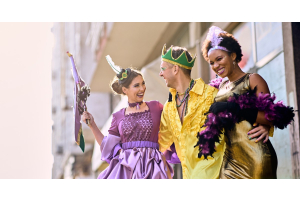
(183, 116)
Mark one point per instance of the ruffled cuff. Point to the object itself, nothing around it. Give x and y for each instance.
(109, 147)
(171, 156)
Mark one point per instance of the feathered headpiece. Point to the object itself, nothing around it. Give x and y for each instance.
(116, 68)
(213, 35)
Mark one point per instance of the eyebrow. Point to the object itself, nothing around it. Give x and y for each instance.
(216, 58)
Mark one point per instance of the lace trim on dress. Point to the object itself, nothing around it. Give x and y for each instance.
(137, 126)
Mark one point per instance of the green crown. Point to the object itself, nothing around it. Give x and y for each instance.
(181, 61)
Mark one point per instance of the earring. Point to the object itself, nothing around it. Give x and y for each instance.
(216, 75)
(233, 64)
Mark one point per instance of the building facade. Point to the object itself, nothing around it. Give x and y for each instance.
(82, 40)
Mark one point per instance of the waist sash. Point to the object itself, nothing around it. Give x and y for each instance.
(139, 144)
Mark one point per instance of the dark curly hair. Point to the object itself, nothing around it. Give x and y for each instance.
(117, 84)
(229, 42)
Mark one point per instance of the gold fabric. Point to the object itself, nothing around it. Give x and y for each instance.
(243, 158)
(185, 135)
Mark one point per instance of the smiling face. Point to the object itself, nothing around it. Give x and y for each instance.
(167, 73)
(136, 90)
(221, 62)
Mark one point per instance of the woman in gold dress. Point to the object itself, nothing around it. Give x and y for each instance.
(245, 156)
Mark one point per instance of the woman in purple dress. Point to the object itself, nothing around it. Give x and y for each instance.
(131, 147)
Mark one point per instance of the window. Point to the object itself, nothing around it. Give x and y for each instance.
(243, 33)
(268, 39)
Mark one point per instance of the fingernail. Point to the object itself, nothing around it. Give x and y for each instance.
(254, 124)
(248, 133)
(249, 138)
(256, 141)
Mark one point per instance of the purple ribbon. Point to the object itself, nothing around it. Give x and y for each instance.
(140, 144)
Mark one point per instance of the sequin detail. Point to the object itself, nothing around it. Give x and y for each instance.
(137, 127)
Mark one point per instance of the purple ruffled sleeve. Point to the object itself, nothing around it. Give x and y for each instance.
(109, 147)
(171, 156)
(111, 144)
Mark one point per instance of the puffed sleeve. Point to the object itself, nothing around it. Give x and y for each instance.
(165, 138)
(111, 144)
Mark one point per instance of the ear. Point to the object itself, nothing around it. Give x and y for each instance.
(124, 89)
(176, 69)
(233, 55)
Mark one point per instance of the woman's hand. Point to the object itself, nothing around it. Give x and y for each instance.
(86, 115)
(262, 131)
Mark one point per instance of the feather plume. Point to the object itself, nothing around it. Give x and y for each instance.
(116, 68)
(213, 35)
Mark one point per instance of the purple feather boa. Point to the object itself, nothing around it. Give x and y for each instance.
(279, 114)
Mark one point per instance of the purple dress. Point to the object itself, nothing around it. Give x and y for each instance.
(137, 135)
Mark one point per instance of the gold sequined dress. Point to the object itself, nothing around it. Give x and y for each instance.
(243, 158)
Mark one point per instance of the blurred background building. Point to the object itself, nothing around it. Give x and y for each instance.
(269, 49)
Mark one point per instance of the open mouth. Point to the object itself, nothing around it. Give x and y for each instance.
(140, 95)
(220, 71)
